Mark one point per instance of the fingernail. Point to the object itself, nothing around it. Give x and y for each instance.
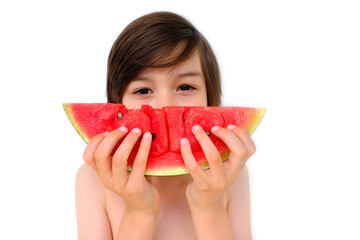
(231, 127)
(196, 128)
(105, 133)
(136, 130)
(147, 135)
(183, 141)
(123, 129)
(215, 128)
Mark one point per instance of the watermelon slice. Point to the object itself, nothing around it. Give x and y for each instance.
(168, 125)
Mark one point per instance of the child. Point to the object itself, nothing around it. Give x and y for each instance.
(161, 59)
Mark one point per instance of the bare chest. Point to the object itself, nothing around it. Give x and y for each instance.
(174, 221)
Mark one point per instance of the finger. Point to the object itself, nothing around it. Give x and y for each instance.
(103, 154)
(211, 153)
(90, 149)
(238, 150)
(196, 172)
(245, 138)
(139, 166)
(119, 163)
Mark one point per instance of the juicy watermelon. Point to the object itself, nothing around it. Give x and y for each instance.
(168, 125)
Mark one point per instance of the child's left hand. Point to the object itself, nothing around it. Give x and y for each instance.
(208, 191)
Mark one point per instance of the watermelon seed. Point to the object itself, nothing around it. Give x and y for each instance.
(208, 133)
(183, 118)
(120, 115)
(153, 135)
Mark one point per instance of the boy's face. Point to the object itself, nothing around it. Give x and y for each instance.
(181, 85)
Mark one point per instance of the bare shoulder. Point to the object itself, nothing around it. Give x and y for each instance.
(92, 219)
(239, 205)
(241, 183)
(89, 183)
(85, 172)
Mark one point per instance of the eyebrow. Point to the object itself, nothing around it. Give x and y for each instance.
(180, 75)
(189, 74)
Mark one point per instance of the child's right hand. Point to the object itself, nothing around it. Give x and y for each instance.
(111, 166)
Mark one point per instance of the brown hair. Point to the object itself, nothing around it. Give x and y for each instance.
(159, 39)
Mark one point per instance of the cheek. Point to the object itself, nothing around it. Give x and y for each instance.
(195, 100)
(125, 100)
(203, 95)
(202, 98)
(132, 102)
(129, 102)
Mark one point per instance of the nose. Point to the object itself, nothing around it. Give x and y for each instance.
(165, 99)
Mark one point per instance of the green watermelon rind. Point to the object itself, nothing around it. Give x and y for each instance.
(181, 170)
(74, 123)
(256, 121)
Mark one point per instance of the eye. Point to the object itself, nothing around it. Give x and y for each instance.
(186, 87)
(142, 91)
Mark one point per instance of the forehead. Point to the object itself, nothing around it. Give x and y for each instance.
(193, 62)
(190, 65)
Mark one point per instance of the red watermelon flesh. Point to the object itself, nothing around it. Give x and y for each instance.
(168, 124)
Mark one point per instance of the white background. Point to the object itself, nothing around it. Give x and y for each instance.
(299, 59)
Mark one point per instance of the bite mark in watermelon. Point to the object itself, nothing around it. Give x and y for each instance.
(168, 125)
